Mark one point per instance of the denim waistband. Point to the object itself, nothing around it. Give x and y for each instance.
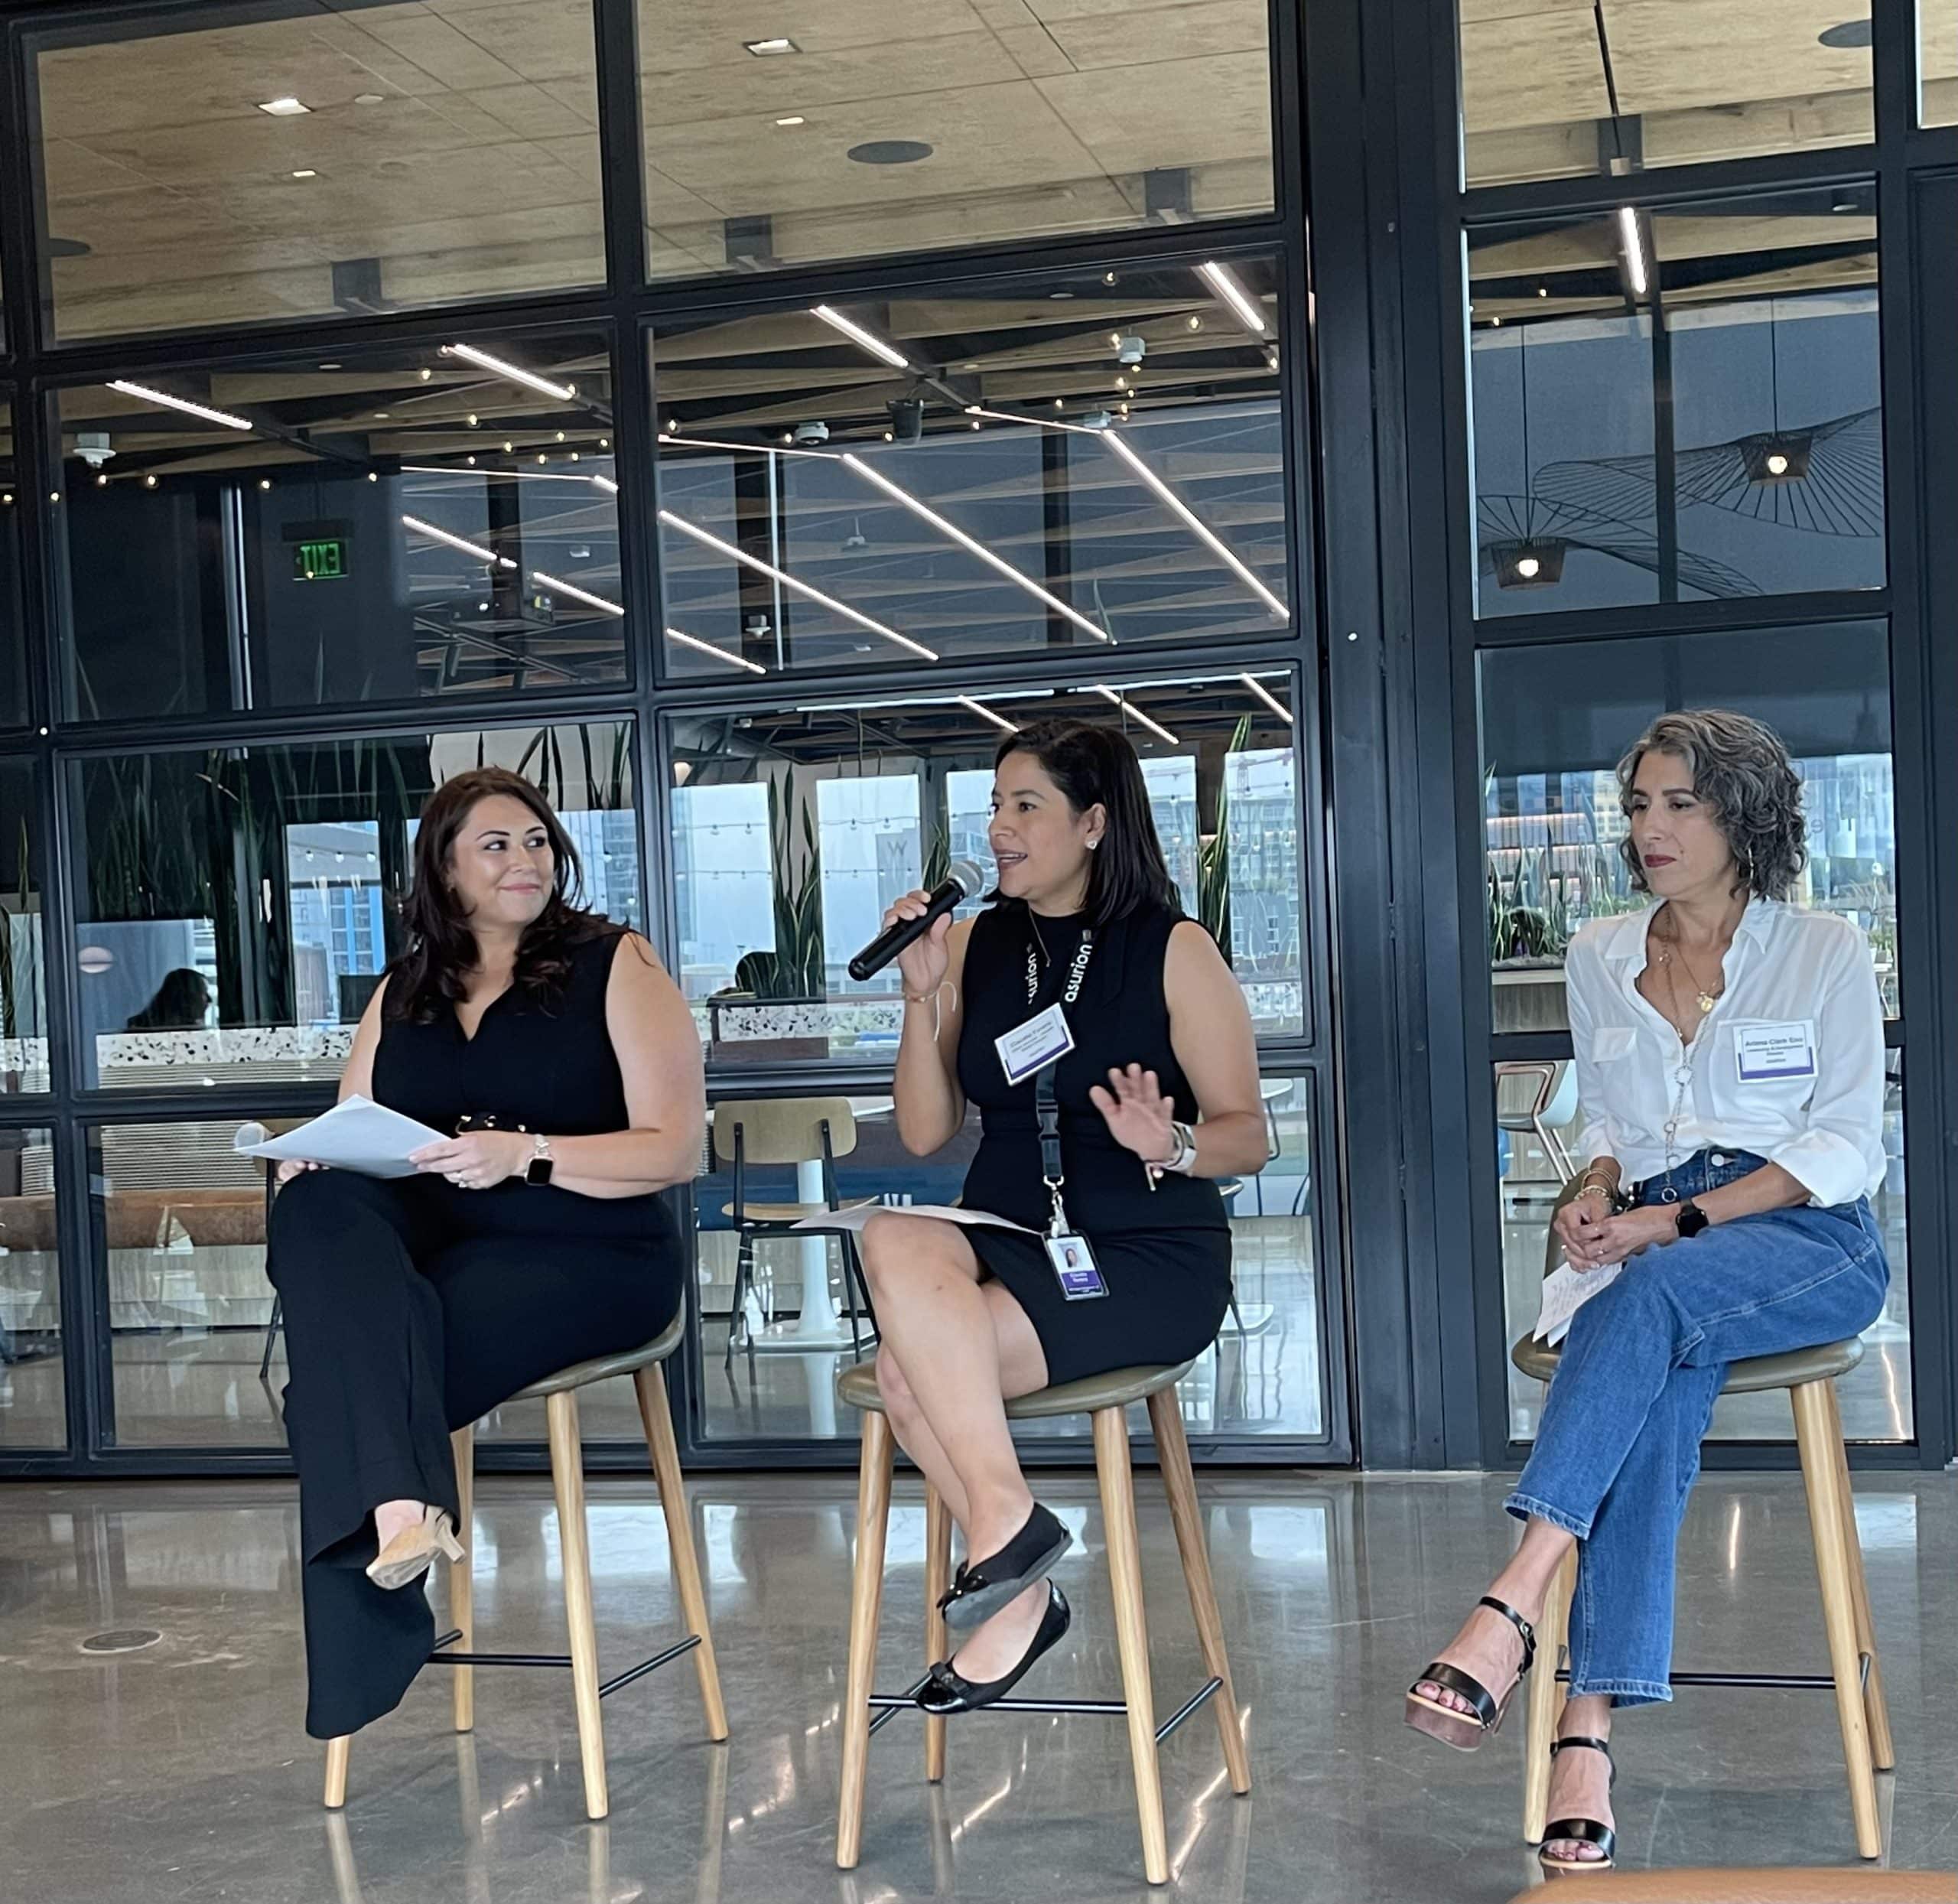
(1706, 1170)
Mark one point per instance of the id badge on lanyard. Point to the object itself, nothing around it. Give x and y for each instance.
(1071, 1256)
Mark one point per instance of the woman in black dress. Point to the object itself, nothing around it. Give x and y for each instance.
(535, 1239)
(1084, 917)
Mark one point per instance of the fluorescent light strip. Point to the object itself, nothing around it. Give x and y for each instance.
(1271, 701)
(864, 339)
(184, 404)
(1197, 526)
(522, 476)
(1034, 422)
(751, 449)
(1236, 296)
(979, 707)
(577, 594)
(964, 540)
(1129, 707)
(707, 648)
(515, 371)
(789, 582)
(925, 701)
(1634, 249)
(481, 553)
(604, 483)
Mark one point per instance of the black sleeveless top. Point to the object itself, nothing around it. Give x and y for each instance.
(1121, 1017)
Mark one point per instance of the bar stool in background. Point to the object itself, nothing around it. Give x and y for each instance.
(1538, 1097)
(559, 1393)
(1855, 1675)
(1105, 1398)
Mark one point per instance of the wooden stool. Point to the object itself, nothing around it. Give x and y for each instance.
(560, 1403)
(1809, 1375)
(1105, 1398)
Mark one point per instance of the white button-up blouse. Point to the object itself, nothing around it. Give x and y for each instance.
(1800, 991)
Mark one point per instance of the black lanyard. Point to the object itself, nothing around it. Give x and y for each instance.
(1046, 1105)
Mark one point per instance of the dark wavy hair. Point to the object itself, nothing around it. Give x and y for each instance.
(1097, 766)
(1741, 770)
(429, 977)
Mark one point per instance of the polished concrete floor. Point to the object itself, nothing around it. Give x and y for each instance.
(179, 1772)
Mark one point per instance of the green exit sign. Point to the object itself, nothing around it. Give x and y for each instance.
(321, 560)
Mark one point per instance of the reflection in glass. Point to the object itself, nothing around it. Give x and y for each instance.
(239, 904)
(1876, 1396)
(862, 129)
(792, 832)
(23, 981)
(1677, 406)
(1937, 65)
(314, 158)
(13, 641)
(33, 1410)
(1553, 91)
(1555, 721)
(1078, 462)
(390, 526)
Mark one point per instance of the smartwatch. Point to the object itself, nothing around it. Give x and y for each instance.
(538, 1170)
(1691, 1218)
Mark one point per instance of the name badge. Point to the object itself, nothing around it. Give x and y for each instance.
(1074, 1263)
(1765, 1054)
(1043, 1038)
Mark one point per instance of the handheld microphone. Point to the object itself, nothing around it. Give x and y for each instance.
(962, 880)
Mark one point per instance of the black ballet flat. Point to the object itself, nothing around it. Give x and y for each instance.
(981, 1588)
(1580, 1831)
(1465, 1731)
(946, 1691)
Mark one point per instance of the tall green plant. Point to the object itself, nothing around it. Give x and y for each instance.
(797, 972)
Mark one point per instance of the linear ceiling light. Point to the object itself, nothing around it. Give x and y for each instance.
(958, 536)
(184, 404)
(864, 339)
(515, 371)
(288, 108)
(1032, 422)
(789, 582)
(1129, 707)
(1236, 296)
(708, 648)
(1634, 250)
(986, 713)
(577, 594)
(1270, 700)
(522, 476)
(481, 553)
(1195, 524)
(604, 483)
(750, 449)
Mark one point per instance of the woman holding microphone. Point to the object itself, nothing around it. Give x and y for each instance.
(1083, 960)
(1729, 1052)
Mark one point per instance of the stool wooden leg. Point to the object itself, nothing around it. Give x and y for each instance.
(1883, 1751)
(462, 1579)
(1544, 1698)
(338, 1751)
(1111, 1463)
(656, 1415)
(1172, 1450)
(567, 1478)
(938, 1577)
(866, 1589)
(1827, 1509)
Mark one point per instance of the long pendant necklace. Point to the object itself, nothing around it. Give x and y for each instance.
(1706, 997)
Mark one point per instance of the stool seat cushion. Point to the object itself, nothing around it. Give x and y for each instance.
(1750, 1377)
(857, 1388)
(626, 1362)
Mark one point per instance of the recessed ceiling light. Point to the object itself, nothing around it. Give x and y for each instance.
(305, 171)
(329, 367)
(793, 118)
(889, 151)
(367, 98)
(765, 49)
(284, 109)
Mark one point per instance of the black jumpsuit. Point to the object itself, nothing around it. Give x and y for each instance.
(1164, 1254)
(413, 1307)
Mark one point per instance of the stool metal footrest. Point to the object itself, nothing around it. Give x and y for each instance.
(440, 1657)
(887, 1705)
(1755, 1682)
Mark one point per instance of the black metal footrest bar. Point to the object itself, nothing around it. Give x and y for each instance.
(888, 1705)
(442, 1657)
(1764, 1682)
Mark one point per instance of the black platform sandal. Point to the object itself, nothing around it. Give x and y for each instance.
(946, 1691)
(1580, 1831)
(1465, 1731)
(981, 1588)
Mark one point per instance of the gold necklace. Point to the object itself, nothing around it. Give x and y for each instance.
(1706, 997)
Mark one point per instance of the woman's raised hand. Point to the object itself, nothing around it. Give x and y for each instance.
(923, 963)
(1137, 1114)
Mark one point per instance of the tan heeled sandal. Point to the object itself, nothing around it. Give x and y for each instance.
(412, 1551)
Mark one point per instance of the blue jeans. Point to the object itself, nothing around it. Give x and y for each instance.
(1618, 1448)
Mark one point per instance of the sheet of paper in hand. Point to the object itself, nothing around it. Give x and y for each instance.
(855, 1219)
(1566, 1291)
(356, 1134)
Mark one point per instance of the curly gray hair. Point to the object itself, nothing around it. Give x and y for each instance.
(1741, 770)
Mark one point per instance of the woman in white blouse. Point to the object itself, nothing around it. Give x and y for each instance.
(1730, 1050)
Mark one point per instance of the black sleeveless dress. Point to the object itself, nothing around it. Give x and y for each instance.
(1164, 1254)
(413, 1307)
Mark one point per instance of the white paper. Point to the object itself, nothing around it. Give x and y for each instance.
(855, 1219)
(1566, 1291)
(356, 1134)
